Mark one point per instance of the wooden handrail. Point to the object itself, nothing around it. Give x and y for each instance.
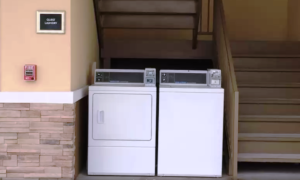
(220, 9)
(225, 63)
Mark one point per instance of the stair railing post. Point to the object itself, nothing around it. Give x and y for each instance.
(197, 23)
(98, 23)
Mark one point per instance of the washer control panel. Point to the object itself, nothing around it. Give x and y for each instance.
(210, 78)
(150, 77)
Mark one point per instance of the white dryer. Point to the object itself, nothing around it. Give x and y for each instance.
(190, 123)
(122, 123)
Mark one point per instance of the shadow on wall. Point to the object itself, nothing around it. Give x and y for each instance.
(176, 64)
(81, 134)
(158, 64)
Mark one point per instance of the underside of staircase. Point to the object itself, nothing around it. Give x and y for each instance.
(269, 107)
(150, 14)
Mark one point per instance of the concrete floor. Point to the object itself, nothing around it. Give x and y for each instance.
(269, 171)
(84, 176)
(247, 171)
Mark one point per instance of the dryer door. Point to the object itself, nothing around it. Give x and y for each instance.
(123, 117)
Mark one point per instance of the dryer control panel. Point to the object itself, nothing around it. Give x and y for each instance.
(210, 78)
(150, 77)
(145, 77)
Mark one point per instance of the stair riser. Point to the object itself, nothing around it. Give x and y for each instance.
(269, 109)
(268, 77)
(284, 93)
(270, 127)
(267, 63)
(260, 48)
(132, 6)
(269, 147)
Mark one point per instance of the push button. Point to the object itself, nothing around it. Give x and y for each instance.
(149, 80)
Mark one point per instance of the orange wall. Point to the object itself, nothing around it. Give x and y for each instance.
(84, 44)
(21, 45)
(257, 19)
(63, 60)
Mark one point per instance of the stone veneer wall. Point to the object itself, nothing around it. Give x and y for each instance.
(38, 140)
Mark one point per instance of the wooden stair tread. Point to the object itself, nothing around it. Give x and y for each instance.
(155, 7)
(268, 118)
(268, 137)
(268, 101)
(267, 58)
(266, 70)
(260, 157)
(266, 55)
(270, 85)
(148, 22)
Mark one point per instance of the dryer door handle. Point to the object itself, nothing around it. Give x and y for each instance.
(100, 118)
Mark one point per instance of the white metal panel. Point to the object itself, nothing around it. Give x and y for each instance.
(121, 161)
(190, 134)
(122, 117)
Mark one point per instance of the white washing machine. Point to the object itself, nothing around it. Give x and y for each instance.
(190, 136)
(122, 123)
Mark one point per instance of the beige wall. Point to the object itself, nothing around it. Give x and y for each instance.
(294, 20)
(63, 61)
(257, 19)
(84, 44)
(21, 45)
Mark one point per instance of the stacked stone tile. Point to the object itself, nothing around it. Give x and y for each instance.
(37, 141)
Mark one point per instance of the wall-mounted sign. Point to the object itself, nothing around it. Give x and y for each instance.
(50, 22)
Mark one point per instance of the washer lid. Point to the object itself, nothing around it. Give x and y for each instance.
(123, 117)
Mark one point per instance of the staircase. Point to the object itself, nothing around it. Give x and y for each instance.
(269, 108)
(150, 14)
